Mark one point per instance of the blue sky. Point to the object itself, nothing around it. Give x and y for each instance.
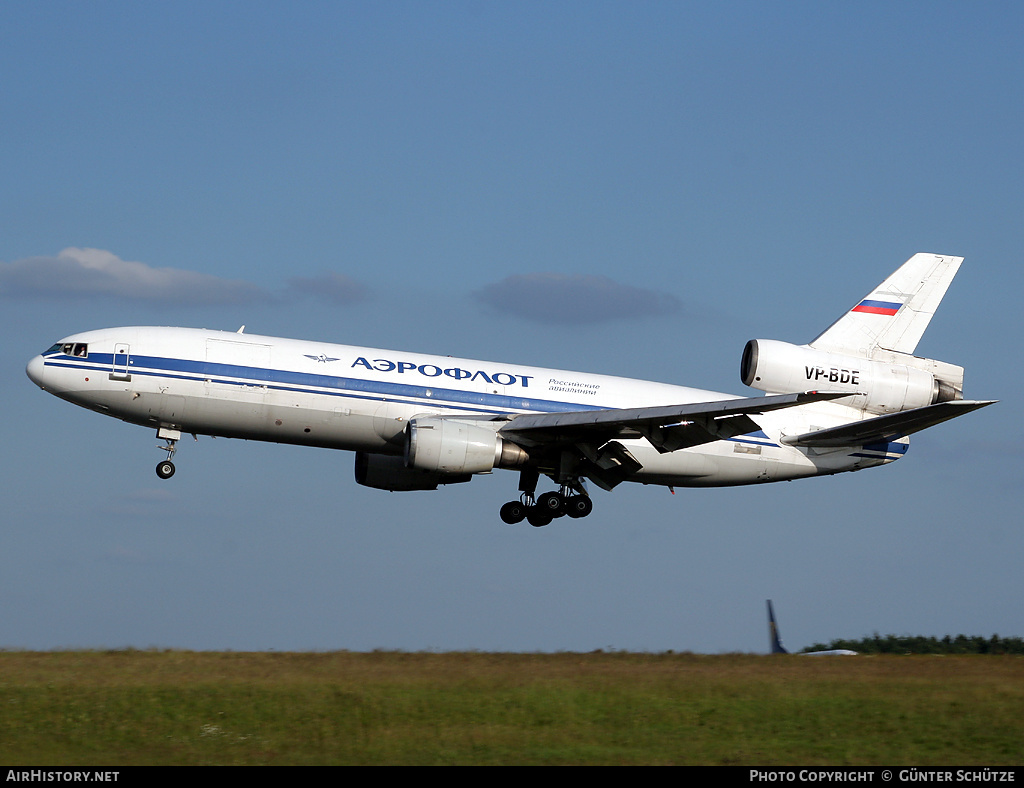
(631, 189)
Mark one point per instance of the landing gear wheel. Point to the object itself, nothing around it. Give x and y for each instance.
(513, 512)
(579, 506)
(165, 469)
(537, 517)
(553, 503)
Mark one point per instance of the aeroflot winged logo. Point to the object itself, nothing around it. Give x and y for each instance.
(321, 358)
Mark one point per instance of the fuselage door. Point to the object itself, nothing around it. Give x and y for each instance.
(119, 371)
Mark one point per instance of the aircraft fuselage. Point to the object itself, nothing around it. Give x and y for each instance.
(361, 399)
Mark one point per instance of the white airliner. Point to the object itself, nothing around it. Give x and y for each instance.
(846, 401)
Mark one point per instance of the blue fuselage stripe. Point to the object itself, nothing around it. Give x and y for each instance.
(310, 383)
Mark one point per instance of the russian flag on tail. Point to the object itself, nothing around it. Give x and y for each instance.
(878, 307)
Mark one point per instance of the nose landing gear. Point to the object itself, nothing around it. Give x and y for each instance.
(165, 469)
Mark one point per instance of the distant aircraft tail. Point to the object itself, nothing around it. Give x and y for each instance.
(773, 632)
(895, 314)
(776, 643)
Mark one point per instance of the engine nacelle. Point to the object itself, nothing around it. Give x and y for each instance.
(900, 382)
(450, 446)
(387, 472)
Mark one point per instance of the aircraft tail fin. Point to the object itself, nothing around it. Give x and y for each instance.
(895, 314)
(774, 640)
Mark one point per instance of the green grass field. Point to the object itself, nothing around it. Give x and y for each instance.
(119, 708)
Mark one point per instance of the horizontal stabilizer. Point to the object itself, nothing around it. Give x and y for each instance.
(886, 428)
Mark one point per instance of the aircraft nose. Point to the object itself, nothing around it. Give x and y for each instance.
(34, 370)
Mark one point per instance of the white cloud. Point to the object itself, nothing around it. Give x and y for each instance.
(573, 299)
(96, 272)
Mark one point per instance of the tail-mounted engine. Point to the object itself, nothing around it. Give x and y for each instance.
(888, 382)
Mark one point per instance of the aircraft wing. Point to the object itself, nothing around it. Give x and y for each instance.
(668, 428)
(888, 427)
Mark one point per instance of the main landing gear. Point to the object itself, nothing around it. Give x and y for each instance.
(541, 511)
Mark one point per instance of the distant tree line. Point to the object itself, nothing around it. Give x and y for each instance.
(919, 644)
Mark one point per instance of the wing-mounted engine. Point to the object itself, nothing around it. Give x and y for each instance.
(452, 446)
(388, 472)
(438, 451)
(888, 382)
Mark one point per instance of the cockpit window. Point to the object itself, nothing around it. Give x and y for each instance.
(79, 349)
